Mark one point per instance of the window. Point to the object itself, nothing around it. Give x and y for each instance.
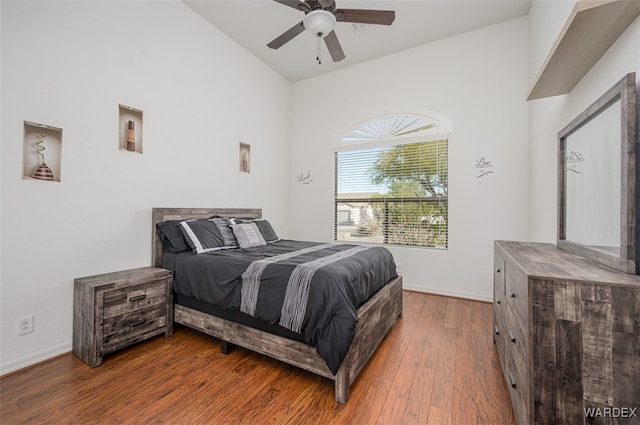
(392, 183)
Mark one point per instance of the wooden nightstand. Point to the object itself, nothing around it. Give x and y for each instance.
(114, 310)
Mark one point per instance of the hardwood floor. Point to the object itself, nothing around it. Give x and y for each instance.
(438, 365)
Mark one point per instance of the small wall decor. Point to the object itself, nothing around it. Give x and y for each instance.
(484, 166)
(130, 129)
(305, 178)
(131, 136)
(43, 172)
(573, 159)
(36, 163)
(245, 158)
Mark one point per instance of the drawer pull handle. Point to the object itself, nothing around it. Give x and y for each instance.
(138, 297)
(496, 330)
(498, 270)
(512, 380)
(512, 336)
(136, 323)
(497, 301)
(512, 294)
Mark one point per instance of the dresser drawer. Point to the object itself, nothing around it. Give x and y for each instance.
(516, 337)
(119, 301)
(499, 331)
(516, 364)
(516, 293)
(499, 304)
(517, 387)
(498, 279)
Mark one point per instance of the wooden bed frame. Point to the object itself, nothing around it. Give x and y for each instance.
(375, 318)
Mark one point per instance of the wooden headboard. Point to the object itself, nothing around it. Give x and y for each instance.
(164, 214)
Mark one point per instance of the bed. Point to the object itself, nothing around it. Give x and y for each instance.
(284, 342)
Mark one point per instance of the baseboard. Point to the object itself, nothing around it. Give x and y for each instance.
(455, 294)
(33, 359)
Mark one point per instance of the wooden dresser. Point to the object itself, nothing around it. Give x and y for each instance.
(567, 331)
(114, 310)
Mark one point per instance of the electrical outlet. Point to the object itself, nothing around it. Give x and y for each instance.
(25, 325)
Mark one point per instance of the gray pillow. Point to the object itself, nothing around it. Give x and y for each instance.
(248, 235)
(207, 235)
(265, 228)
(171, 236)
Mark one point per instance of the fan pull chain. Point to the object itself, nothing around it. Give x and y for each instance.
(319, 51)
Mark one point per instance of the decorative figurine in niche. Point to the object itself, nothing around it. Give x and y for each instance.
(131, 136)
(43, 172)
(245, 158)
(244, 163)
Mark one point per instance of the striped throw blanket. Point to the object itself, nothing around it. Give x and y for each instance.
(297, 292)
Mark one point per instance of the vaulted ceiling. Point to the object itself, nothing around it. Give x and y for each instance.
(254, 23)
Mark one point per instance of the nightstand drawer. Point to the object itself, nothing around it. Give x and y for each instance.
(135, 297)
(126, 329)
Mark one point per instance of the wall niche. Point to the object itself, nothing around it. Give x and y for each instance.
(130, 129)
(42, 152)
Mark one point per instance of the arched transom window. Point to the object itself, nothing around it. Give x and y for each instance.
(397, 127)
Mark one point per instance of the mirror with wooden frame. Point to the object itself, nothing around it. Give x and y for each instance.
(597, 180)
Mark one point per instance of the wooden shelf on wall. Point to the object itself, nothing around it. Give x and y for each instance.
(592, 27)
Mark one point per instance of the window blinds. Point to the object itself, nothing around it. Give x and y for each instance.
(394, 194)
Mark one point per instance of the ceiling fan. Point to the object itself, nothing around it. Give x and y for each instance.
(320, 19)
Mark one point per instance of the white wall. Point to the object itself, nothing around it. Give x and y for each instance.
(479, 80)
(202, 94)
(1, 183)
(550, 115)
(546, 19)
(69, 65)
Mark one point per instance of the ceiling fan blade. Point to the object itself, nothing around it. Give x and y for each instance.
(363, 16)
(335, 49)
(296, 4)
(287, 36)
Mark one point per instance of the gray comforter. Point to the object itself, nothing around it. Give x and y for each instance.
(310, 288)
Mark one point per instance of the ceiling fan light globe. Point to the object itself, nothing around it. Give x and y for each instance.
(319, 22)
